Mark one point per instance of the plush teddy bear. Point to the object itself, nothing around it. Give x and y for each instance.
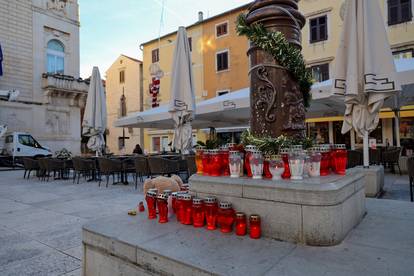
(162, 183)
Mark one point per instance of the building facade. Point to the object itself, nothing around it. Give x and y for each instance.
(161, 53)
(123, 95)
(223, 63)
(40, 43)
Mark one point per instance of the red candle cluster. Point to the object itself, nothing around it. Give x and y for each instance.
(201, 212)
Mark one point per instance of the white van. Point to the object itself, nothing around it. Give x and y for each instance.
(20, 144)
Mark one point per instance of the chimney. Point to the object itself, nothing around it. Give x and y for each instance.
(200, 16)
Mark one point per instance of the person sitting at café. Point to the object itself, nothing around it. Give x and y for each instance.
(138, 149)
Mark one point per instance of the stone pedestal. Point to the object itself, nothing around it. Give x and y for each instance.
(374, 180)
(314, 211)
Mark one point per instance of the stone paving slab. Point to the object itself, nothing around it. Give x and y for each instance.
(40, 222)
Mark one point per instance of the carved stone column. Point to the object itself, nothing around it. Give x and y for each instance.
(277, 105)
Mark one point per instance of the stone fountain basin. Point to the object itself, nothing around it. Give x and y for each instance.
(315, 211)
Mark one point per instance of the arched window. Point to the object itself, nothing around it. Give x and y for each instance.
(55, 57)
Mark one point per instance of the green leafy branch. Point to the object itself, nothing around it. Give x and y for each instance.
(286, 55)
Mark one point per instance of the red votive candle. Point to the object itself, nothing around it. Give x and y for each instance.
(141, 207)
(226, 217)
(340, 159)
(174, 202)
(247, 157)
(198, 212)
(325, 160)
(162, 204)
(187, 210)
(179, 206)
(241, 224)
(210, 211)
(285, 157)
(199, 159)
(151, 200)
(255, 228)
(266, 169)
(215, 163)
(205, 159)
(225, 161)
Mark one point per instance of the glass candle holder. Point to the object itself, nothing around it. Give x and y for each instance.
(325, 160)
(256, 164)
(168, 193)
(307, 164)
(285, 157)
(198, 212)
(266, 168)
(215, 163)
(241, 164)
(205, 160)
(234, 164)
(226, 216)
(231, 146)
(315, 162)
(141, 207)
(179, 205)
(185, 187)
(151, 199)
(296, 164)
(247, 156)
(162, 204)
(241, 224)
(210, 210)
(174, 202)
(340, 159)
(276, 167)
(187, 210)
(255, 228)
(224, 153)
(199, 159)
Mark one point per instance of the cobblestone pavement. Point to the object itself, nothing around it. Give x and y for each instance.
(40, 222)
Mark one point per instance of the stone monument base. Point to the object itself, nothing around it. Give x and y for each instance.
(314, 211)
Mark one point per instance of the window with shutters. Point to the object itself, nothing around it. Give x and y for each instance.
(222, 61)
(155, 55)
(320, 72)
(222, 29)
(318, 29)
(399, 11)
(122, 76)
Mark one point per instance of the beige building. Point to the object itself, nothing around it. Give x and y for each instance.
(40, 43)
(320, 40)
(162, 53)
(123, 96)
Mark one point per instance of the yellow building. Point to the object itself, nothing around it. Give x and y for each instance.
(123, 95)
(320, 40)
(221, 64)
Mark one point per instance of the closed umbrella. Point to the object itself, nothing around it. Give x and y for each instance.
(182, 103)
(94, 120)
(364, 68)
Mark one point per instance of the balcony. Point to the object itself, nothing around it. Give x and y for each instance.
(63, 86)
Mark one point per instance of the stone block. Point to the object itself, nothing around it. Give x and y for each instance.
(308, 211)
(374, 179)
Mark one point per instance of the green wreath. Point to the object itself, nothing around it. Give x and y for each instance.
(287, 55)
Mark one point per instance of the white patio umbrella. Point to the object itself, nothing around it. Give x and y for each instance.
(182, 103)
(94, 120)
(364, 68)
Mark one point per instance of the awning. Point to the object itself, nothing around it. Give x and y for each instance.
(233, 109)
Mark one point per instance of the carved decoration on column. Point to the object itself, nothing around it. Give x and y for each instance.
(277, 104)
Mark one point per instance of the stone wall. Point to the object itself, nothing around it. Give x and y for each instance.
(17, 44)
(26, 27)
